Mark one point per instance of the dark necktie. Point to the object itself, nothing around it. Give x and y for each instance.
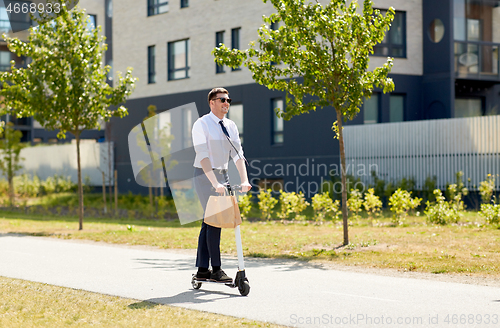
(224, 129)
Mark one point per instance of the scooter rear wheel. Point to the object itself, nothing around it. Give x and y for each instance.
(244, 288)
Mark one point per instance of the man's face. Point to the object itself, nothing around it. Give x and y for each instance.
(218, 107)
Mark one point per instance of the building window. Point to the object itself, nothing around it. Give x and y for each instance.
(4, 20)
(371, 109)
(474, 20)
(235, 114)
(468, 107)
(151, 64)
(5, 58)
(477, 37)
(109, 9)
(19, 20)
(277, 131)
(235, 41)
(394, 43)
(178, 60)
(156, 7)
(396, 108)
(92, 22)
(184, 3)
(219, 39)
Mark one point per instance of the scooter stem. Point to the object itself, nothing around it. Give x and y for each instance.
(239, 250)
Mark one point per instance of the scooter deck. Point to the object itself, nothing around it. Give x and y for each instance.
(227, 283)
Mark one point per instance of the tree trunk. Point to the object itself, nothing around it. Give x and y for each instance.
(116, 192)
(80, 186)
(104, 192)
(10, 173)
(343, 178)
(150, 195)
(156, 201)
(108, 139)
(11, 189)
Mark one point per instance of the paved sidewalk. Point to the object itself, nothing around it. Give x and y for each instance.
(286, 292)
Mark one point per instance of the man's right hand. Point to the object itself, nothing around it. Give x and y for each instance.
(220, 188)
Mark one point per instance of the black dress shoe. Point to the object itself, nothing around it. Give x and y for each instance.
(220, 276)
(203, 276)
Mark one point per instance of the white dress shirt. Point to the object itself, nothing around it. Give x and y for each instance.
(210, 142)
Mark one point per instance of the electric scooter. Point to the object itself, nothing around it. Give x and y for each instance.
(240, 280)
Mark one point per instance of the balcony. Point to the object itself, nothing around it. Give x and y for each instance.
(477, 60)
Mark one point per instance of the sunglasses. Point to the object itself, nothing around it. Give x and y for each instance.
(223, 100)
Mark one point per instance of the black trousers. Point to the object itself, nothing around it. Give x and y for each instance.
(209, 239)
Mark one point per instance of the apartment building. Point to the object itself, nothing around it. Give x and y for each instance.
(169, 45)
(446, 65)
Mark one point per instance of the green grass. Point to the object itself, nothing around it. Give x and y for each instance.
(469, 248)
(32, 304)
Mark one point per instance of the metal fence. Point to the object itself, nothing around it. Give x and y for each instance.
(424, 149)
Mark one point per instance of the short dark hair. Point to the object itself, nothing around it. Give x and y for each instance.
(213, 93)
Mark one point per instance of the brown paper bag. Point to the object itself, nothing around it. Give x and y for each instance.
(222, 212)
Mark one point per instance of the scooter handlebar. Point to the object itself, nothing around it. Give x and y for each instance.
(233, 188)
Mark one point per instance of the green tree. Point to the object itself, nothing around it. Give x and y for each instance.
(323, 54)
(64, 87)
(11, 147)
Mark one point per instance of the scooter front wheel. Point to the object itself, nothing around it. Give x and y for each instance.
(244, 288)
(195, 284)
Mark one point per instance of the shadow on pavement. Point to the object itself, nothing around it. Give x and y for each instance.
(14, 234)
(189, 264)
(191, 296)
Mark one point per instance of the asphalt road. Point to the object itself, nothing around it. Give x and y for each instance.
(282, 291)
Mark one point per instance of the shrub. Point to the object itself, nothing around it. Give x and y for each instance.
(491, 213)
(162, 207)
(25, 186)
(401, 202)
(456, 203)
(378, 186)
(457, 190)
(324, 206)
(292, 203)
(48, 186)
(245, 204)
(64, 184)
(442, 212)
(266, 203)
(286, 203)
(355, 202)
(372, 203)
(430, 185)
(407, 184)
(390, 189)
(486, 189)
(299, 204)
(4, 187)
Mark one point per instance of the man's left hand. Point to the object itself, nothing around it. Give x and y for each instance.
(245, 187)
